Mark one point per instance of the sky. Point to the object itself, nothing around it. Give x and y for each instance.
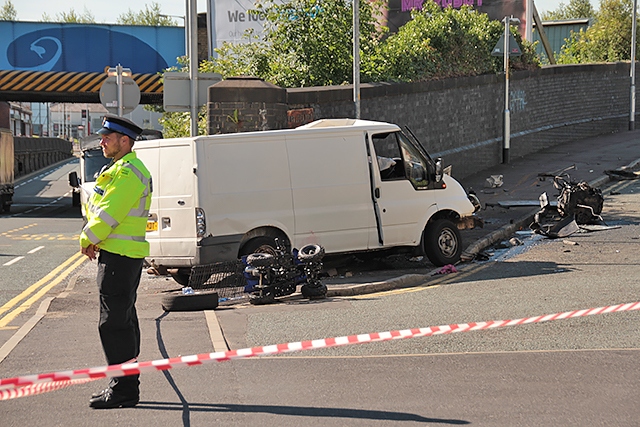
(104, 11)
(107, 11)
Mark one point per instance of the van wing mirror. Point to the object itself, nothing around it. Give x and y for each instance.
(439, 169)
(73, 179)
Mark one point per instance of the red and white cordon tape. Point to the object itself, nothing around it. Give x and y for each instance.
(34, 384)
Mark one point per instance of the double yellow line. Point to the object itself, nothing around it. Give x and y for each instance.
(36, 291)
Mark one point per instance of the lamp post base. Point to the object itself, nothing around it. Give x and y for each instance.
(505, 155)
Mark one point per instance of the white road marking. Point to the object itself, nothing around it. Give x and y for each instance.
(13, 261)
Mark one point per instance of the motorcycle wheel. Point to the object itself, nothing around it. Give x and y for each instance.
(311, 253)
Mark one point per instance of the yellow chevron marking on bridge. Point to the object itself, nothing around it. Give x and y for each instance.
(49, 81)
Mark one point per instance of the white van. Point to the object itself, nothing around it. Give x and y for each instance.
(346, 185)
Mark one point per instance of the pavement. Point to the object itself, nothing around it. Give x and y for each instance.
(71, 315)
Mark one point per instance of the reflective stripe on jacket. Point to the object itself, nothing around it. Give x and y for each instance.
(118, 209)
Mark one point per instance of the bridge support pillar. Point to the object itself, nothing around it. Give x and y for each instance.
(5, 112)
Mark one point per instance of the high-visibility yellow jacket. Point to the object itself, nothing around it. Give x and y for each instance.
(118, 209)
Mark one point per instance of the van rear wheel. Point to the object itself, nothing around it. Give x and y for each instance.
(260, 244)
(442, 242)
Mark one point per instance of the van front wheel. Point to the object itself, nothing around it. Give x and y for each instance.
(442, 242)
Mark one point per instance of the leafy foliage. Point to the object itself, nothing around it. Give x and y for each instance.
(309, 43)
(306, 43)
(607, 40)
(150, 16)
(8, 11)
(178, 124)
(439, 43)
(575, 9)
(71, 17)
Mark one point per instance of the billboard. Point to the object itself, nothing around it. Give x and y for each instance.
(45, 46)
(229, 19)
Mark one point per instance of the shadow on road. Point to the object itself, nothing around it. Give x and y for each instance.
(509, 270)
(304, 411)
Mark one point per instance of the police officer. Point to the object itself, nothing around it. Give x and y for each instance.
(115, 232)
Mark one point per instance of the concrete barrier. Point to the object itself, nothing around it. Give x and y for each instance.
(32, 154)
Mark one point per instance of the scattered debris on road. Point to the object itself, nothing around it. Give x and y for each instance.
(578, 203)
(622, 174)
(447, 269)
(494, 181)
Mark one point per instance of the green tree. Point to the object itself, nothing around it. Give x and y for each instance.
(443, 42)
(8, 11)
(306, 43)
(575, 9)
(151, 16)
(607, 40)
(73, 17)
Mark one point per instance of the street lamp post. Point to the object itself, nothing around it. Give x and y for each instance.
(192, 8)
(506, 134)
(632, 98)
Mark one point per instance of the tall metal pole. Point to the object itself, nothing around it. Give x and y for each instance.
(120, 93)
(506, 135)
(528, 31)
(192, 8)
(632, 98)
(356, 57)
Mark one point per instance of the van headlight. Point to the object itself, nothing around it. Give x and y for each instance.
(201, 222)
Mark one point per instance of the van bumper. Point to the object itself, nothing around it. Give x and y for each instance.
(218, 249)
(209, 250)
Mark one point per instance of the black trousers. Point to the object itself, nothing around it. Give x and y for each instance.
(118, 281)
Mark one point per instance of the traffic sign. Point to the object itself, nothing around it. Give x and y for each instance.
(177, 90)
(109, 94)
(514, 49)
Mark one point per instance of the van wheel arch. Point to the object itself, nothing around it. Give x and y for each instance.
(259, 237)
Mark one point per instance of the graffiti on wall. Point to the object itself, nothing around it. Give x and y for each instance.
(517, 100)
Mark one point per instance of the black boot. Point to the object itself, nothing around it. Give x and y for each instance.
(112, 399)
(122, 392)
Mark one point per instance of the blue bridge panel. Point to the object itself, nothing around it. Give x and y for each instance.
(88, 47)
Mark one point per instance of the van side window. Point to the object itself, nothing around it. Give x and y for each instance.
(389, 157)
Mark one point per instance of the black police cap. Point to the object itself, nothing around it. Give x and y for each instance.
(112, 123)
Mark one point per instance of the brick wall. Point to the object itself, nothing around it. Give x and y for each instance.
(461, 119)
